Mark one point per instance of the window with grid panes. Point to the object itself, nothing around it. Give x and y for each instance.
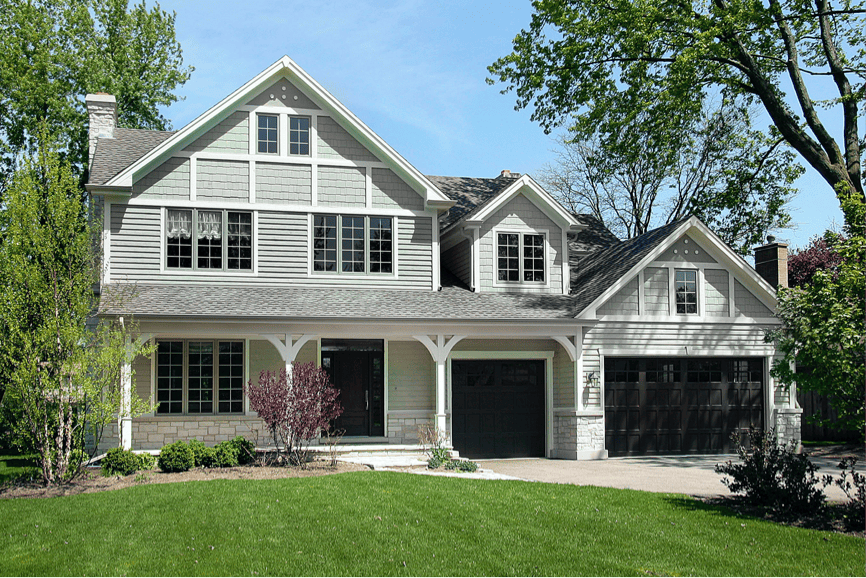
(380, 245)
(169, 377)
(239, 241)
(231, 376)
(268, 134)
(686, 290)
(507, 252)
(533, 258)
(325, 243)
(200, 380)
(353, 244)
(520, 257)
(299, 135)
(195, 373)
(223, 240)
(366, 244)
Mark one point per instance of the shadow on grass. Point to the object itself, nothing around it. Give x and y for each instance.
(696, 505)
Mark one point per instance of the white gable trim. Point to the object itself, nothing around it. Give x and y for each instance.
(286, 68)
(537, 195)
(710, 242)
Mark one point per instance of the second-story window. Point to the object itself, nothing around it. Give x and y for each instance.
(687, 292)
(299, 135)
(352, 244)
(208, 240)
(520, 258)
(268, 134)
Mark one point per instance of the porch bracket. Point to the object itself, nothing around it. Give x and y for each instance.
(440, 351)
(567, 344)
(287, 346)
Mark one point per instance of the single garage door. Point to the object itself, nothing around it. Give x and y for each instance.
(497, 408)
(686, 406)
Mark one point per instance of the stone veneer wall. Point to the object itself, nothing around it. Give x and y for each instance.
(151, 433)
(578, 436)
(789, 425)
(403, 426)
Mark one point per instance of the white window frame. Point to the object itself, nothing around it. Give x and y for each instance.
(339, 273)
(194, 270)
(289, 135)
(257, 140)
(698, 312)
(521, 283)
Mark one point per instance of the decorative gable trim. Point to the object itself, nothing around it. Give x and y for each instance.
(537, 195)
(285, 68)
(739, 269)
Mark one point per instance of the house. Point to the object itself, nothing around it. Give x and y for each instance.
(277, 227)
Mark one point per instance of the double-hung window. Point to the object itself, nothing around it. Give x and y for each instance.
(299, 135)
(686, 291)
(197, 239)
(520, 258)
(268, 134)
(353, 244)
(199, 377)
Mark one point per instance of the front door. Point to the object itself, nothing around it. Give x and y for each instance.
(358, 374)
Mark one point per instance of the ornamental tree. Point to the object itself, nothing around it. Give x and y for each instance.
(295, 407)
(817, 256)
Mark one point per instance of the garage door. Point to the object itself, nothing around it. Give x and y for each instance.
(497, 408)
(687, 406)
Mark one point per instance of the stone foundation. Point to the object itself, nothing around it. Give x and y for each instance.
(578, 435)
(403, 426)
(788, 425)
(151, 433)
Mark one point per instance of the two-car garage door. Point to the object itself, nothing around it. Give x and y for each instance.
(676, 405)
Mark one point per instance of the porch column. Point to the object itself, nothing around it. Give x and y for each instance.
(440, 352)
(288, 347)
(125, 432)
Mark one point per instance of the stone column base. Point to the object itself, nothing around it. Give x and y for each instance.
(578, 435)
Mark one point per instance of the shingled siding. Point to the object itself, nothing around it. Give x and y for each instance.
(655, 292)
(169, 180)
(282, 93)
(390, 192)
(334, 142)
(231, 135)
(520, 214)
(746, 304)
(134, 243)
(289, 184)
(222, 180)
(411, 377)
(624, 301)
(716, 287)
(342, 187)
(458, 260)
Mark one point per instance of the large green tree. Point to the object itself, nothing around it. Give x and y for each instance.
(54, 52)
(601, 64)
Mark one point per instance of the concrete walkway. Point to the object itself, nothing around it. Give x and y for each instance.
(692, 475)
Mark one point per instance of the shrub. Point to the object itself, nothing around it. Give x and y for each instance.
(204, 456)
(246, 450)
(176, 457)
(120, 462)
(773, 476)
(225, 455)
(854, 510)
(146, 461)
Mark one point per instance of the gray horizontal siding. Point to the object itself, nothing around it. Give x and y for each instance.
(415, 251)
(342, 187)
(230, 135)
(644, 337)
(289, 184)
(458, 260)
(390, 192)
(135, 242)
(335, 143)
(222, 180)
(411, 377)
(168, 180)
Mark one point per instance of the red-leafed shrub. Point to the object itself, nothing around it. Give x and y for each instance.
(295, 409)
(817, 256)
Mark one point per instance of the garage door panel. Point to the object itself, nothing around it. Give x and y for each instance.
(696, 415)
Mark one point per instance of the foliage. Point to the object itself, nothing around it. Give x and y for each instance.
(720, 170)
(434, 443)
(823, 325)
(146, 461)
(54, 52)
(246, 449)
(606, 67)
(120, 462)
(462, 466)
(853, 511)
(176, 457)
(773, 476)
(57, 368)
(295, 408)
(225, 455)
(332, 441)
(203, 456)
(817, 256)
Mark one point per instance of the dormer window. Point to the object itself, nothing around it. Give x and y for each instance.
(520, 258)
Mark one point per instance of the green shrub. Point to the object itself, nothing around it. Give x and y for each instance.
(204, 456)
(852, 512)
(225, 455)
(462, 466)
(120, 462)
(176, 457)
(246, 450)
(146, 461)
(773, 476)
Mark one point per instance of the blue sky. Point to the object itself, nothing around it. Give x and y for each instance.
(413, 71)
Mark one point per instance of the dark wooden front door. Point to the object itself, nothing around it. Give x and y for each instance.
(358, 376)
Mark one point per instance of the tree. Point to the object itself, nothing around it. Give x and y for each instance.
(603, 65)
(54, 52)
(817, 256)
(61, 374)
(823, 325)
(740, 191)
(295, 407)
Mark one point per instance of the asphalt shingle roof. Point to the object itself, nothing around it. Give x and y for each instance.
(115, 154)
(469, 194)
(594, 237)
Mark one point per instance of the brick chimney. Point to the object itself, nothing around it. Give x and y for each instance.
(771, 262)
(102, 118)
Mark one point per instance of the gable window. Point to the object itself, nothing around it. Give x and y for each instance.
(520, 257)
(299, 135)
(267, 141)
(365, 244)
(199, 377)
(208, 240)
(686, 292)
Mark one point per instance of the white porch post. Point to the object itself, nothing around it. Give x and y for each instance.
(440, 352)
(125, 406)
(440, 394)
(288, 347)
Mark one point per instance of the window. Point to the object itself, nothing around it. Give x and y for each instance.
(365, 244)
(223, 240)
(520, 258)
(687, 292)
(192, 374)
(299, 135)
(268, 134)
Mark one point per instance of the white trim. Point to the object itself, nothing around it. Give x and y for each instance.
(732, 309)
(395, 247)
(253, 133)
(385, 378)
(282, 208)
(537, 195)
(476, 258)
(436, 273)
(302, 160)
(314, 135)
(252, 172)
(106, 240)
(566, 268)
(641, 293)
(152, 400)
(684, 320)
(689, 351)
(287, 110)
(368, 188)
(520, 285)
(282, 134)
(546, 356)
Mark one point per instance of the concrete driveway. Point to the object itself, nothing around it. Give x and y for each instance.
(692, 475)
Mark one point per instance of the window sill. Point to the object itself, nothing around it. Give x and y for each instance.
(208, 272)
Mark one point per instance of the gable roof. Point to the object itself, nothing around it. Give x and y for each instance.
(469, 195)
(112, 155)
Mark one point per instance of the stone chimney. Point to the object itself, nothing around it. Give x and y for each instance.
(771, 262)
(102, 118)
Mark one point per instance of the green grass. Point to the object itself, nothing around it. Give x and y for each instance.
(14, 466)
(380, 523)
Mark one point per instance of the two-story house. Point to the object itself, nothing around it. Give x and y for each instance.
(277, 227)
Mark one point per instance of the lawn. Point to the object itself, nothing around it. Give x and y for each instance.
(383, 523)
(14, 466)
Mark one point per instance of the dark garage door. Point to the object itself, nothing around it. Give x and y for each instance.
(498, 408)
(687, 406)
